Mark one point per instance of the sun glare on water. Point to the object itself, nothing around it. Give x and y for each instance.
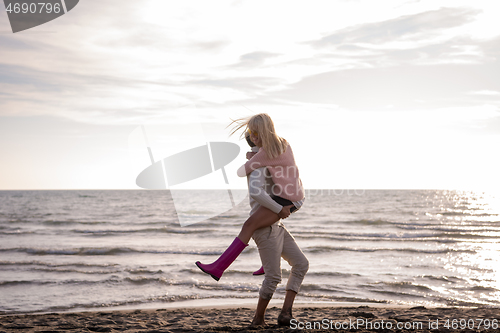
(477, 213)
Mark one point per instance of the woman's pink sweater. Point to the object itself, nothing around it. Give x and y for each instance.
(284, 172)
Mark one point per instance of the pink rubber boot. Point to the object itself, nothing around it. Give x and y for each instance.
(217, 268)
(260, 271)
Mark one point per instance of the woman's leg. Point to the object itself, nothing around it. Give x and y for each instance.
(262, 218)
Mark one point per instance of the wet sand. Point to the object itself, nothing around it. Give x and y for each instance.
(237, 319)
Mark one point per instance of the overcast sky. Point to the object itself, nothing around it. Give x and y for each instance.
(371, 94)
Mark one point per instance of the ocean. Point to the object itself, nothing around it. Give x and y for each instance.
(69, 250)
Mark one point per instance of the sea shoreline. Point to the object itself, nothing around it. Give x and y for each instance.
(203, 304)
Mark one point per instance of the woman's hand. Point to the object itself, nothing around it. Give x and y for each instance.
(250, 154)
(285, 212)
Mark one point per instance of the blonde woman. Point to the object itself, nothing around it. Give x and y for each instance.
(276, 154)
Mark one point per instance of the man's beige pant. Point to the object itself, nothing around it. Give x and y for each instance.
(273, 243)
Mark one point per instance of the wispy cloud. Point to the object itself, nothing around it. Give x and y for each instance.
(254, 59)
(414, 27)
(370, 70)
(251, 84)
(397, 87)
(485, 93)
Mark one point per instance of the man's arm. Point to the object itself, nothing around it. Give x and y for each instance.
(257, 190)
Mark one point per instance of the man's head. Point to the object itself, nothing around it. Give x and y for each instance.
(250, 143)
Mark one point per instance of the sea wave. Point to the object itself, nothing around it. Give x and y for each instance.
(105, 251)
(48, 264)
(322, 249)
(401, 285)
(164, 229)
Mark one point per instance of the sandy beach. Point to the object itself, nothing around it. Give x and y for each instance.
(237, 319)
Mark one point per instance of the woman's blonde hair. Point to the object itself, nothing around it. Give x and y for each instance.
(263, 125)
